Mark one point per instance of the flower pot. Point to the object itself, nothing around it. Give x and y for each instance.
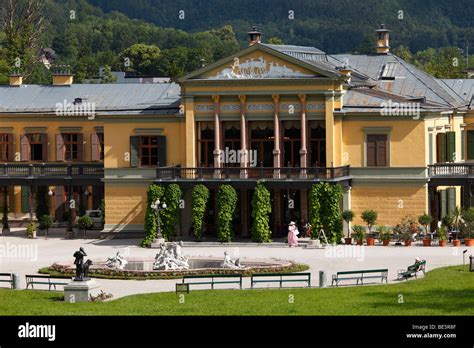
(360, 242)
(348, 240)
(426, 242)
(370, 241)
(408, 242)
(469, 241)
(442, 243)
(386, 242)
(456, 243)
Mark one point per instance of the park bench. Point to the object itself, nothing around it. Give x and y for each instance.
(7, 278)
(412, 270)
(360, 275)
(280, 278)
(45, 280)
(213, 279)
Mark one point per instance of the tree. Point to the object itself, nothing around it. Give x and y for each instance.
(261, 208)
(275, 41)
(370, 218)
(347, 216)
(23, 24)
(142, 59)
(200, 198)
(108, 77)
(425, 220)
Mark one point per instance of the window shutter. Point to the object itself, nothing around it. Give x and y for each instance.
(381, 150)
(44, 142)
(451, 199)
(80, 147)
(470, 144)
(440, 147)
(10, 152)
(371, 150)
(134, 151)
(162, 151)
(25, 144)
(59, 147)
(463, 144)
(450, 146)
(430, 144)
(443, 203)
(95, 145)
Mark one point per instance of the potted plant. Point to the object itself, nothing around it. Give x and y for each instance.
(442, 234)
(369, 217)
(31, 230)
(84, 223)
(384, 235)
(358, 233)
(348, 216)
(45, 223)
(425, 220)
(467, 226)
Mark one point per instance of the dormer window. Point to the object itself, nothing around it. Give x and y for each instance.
(389, 70)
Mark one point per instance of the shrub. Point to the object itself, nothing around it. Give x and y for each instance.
(406, 228)
(468, 225)
(226, 203)
(30, 230)
(358, 233)
(170, 216)
(102, 210)
(154, 192)
(447, 221)
(45, 222)
(384, 233)
(261, 208)
(84, 223)
(200, 198)
(442, 233)
(370, 218)
(348, 216)
(425, 220)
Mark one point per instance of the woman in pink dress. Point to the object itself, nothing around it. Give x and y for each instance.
(292, 238)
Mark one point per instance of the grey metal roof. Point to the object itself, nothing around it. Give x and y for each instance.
(409, 81)
(127, 98)
(463, 88)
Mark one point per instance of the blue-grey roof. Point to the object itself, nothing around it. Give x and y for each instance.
(463, 88)
(130, 98)
(409, 81)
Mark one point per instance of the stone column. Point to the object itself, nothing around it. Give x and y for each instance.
(276, 147)
(217, 134)
(330, 152)
(244, 160)
(303, 150)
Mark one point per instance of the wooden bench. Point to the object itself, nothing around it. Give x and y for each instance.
(7, 278)
(45, 280)
(280, 278)
(412, 270)
(213, 279)
(360, 275)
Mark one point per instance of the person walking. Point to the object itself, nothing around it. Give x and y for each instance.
(292, 235)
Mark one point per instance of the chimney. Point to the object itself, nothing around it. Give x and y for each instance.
(254, 36)
(16, 79)
(382, 46)
(62, 76)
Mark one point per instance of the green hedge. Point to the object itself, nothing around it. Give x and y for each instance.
(200, 198)
(226, 204)
(154, 192)
(261, 208)
(170, 216)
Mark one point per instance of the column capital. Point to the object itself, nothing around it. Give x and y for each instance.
(216, 98)
(302, 97)
(242, 98)
(275, 97)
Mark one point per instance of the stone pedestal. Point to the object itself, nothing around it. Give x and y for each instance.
(314, 244)
(80, 291)
(157, 243)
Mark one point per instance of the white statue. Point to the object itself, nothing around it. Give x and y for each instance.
(171, 257)
(228, 263)
(117, 262)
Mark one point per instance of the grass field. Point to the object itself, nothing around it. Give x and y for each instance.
(444, 291)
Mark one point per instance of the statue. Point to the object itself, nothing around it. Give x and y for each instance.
(79, 262)
(117, 262)
(171, 257)
(228, 263)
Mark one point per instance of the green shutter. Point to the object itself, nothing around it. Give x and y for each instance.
(463, 144)
(451, 147)
(430, 144)
(443, 203)
(162, 150)
(470, 144)
(440, 147)
(135, 151)
(451, 199)
(24, 199)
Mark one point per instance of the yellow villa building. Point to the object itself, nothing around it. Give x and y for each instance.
(396, 139)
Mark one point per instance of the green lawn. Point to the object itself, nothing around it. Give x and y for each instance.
(444, 291)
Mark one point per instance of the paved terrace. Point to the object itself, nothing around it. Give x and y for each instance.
(56, 249)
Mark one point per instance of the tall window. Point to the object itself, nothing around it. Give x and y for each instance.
(71, 146)
(6, 145)
(206, 147)
(446, 147)
(377, 150)
(232, 142)
(36, 146)
(292, 146)
(470, 144)
(149, 150)
(317, 144)
(262, 140)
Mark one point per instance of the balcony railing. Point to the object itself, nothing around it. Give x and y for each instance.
(451, 169)
(40, 170)
(251, 173)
